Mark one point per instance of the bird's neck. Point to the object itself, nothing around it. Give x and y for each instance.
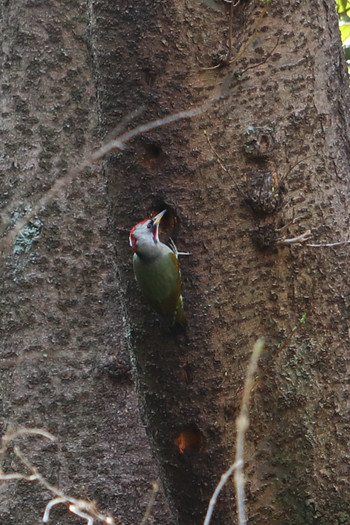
(148, 251)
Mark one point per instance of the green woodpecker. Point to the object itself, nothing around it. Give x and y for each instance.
(157, 271)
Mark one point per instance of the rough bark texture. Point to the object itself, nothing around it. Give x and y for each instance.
(282, 134)
(281, 131)
(60, 324)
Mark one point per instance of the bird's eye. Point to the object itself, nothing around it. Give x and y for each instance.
(150, 224)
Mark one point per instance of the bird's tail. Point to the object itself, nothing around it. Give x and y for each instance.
(179, 317)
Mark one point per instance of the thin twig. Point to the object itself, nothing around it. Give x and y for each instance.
(39, 478)
(119, 128)
(17, 476)
(229, 54)
(242, 424)
(296, 240)
(227, 61)
(269, 54)
(328, 245)
(219, 159)
(75, 510)
(250, 40)
(119, 142)
(107, 147)
(79, 507)
(8, 437)
(155, 489)
(52, 503)
(294, 166)
(224, 478)
(82, 508)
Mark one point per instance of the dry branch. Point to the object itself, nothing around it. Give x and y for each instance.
(224, 478)
(296, 240)
(329, 244)
(82, 508)
(242, 424)
(155, 489)
(108, 146)
(117, 141)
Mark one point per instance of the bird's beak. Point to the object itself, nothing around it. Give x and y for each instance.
(156, 220)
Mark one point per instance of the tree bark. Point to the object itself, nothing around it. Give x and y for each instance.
(266, 163)
(61, 321)
(281, 135)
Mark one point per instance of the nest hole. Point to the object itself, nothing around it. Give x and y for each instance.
(170, 222)
(189, 440)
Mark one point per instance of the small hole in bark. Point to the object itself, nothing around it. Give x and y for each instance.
(264, 142)
(149, 76)
(259, 141)
(189, 440)
(151, 154)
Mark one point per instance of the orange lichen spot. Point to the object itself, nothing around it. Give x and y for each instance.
(189, 440)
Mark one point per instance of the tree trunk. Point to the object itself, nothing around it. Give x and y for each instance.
(60, 322)
(266, 163)
(279, 168)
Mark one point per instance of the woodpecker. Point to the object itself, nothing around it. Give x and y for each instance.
(157, 271)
